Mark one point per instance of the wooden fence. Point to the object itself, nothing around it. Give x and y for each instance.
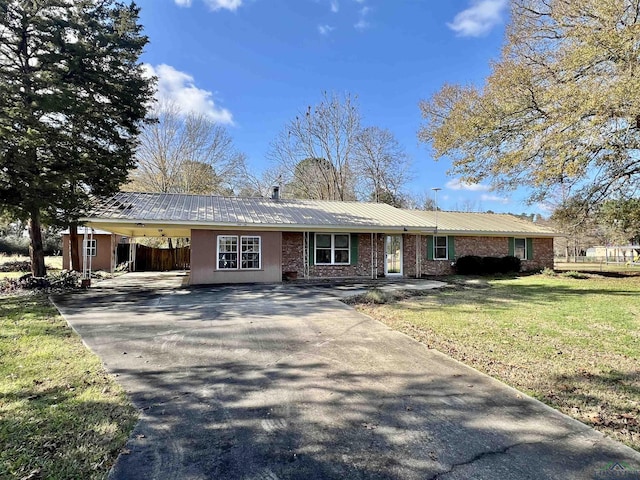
(148, 259)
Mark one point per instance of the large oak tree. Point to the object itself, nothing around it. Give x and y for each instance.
(73, 98)
(561, 106)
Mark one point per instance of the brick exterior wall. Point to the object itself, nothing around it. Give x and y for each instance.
(292, 255)
(489, 247)
(542, 255)
(482, 246)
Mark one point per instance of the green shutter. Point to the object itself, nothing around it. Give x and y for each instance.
(354, 248)
(312, 250)
(512, 246)
(529, 248)
(430, 247)
(451, 243)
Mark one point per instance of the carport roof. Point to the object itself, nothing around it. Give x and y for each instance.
(131, 209)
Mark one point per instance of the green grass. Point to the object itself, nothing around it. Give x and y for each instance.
(573, 343)
(61, 415)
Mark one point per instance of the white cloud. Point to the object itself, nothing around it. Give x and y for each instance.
(232, 5)
(457, 184)
(362, 23)
(325, 29)
(179, 88)
(479, 18)
(183, 3)
(335, 6)
(493, 198)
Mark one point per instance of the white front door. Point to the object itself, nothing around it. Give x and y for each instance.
(393, 255)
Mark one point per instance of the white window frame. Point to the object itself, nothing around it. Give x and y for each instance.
(259, 252)
(90, 247)
(436, 247)
(524, 248)
(218, 252)
(333, 249)
(238, 252)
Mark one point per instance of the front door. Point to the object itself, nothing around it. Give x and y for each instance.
(393, 255)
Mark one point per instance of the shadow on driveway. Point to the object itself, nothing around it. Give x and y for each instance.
(271, 383)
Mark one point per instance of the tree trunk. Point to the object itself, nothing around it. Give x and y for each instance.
(36, 250)
(74, 252)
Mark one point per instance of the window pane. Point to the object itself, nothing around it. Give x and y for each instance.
(323, 241)
(341, 241)
(227, 260)
(342, 256)
(227, 252)
(520, 249)
(441, 241)
(323, 255)
(250, 260)
(250, 244)
(441, 253)
(250, 247)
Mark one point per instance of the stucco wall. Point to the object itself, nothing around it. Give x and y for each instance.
(105, 251)
(204, 262)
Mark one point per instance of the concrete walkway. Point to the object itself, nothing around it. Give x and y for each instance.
(281, 382)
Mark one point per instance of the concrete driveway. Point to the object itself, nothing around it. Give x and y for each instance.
(281, 382)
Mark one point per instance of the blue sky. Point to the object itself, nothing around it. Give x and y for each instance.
(254, 64)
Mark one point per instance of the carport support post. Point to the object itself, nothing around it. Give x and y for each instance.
(305, 254)
(132, 254)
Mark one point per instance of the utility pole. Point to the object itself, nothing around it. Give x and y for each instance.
(436, 190)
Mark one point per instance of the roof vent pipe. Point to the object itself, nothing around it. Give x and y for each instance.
(275, 192)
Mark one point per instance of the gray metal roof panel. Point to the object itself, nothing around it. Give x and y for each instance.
(257, 211)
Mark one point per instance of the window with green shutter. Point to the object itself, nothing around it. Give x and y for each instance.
(529, 248)
(452, 247)
(312, 249)
(354, 249)
(430, 247)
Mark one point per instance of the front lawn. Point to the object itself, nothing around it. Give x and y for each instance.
(572, 343)
(61, 415)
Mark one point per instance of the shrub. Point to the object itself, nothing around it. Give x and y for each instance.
(14, 245)
(548, 272)
(469, 265)
(491, 265)
(510, 264)
(475, 265)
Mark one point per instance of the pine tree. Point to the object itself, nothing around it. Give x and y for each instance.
(74, 96)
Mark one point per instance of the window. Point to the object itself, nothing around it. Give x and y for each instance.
(227, 252)
(250, 249)
(250, 252)
(520, 248)
(440, 248)
(90, 247)
(332, 249)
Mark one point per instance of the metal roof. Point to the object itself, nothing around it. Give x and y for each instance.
(463, 223)
(146, 209)
(171, 214)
